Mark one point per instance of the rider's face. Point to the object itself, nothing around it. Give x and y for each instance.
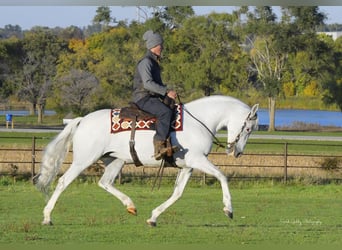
(158, 50)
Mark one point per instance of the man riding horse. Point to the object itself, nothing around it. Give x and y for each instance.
(150, 94)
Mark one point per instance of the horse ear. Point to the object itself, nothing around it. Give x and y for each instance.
(254, 110)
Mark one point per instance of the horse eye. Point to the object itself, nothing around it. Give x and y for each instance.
(248, 129)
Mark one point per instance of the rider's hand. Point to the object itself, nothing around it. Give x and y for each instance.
(172, 94)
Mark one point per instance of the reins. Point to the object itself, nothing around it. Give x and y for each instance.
(216, 141)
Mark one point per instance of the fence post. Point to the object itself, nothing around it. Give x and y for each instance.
(33, 159)
(285, 162)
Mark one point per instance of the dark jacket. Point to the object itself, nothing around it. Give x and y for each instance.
(147, 78)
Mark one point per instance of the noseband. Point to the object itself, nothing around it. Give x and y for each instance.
(231, 145)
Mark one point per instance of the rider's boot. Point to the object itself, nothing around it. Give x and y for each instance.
(160, 149)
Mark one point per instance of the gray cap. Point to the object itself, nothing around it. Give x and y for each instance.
(152, 39)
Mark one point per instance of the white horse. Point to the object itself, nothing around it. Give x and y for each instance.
(92, 140)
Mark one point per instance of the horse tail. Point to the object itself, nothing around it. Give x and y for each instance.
(54, 155)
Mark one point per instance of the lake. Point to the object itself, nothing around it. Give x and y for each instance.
(286, 117)
(24, 112)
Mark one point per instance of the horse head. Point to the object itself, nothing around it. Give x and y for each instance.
(239, 132)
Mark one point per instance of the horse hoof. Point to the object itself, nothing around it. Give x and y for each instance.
(151, 223)
(48, 223)
(228, 213)
(132, 210)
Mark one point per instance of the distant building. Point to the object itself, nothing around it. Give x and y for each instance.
(333, 34)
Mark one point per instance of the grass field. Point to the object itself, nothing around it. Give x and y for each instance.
(267, 213)
(264, 213)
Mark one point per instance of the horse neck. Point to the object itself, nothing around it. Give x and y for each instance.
(217, 112)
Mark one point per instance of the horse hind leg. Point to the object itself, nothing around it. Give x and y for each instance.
(63, 183)
(113, 167)
(182, 180)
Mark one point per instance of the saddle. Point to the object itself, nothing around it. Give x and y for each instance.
(134, 114)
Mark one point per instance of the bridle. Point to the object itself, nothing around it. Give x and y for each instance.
(232, 144)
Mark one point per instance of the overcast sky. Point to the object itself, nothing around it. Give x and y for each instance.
(63, 16)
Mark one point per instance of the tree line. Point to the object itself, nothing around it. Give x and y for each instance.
(249, 52)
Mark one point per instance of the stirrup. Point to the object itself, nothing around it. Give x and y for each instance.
(168, 151)
(171, 150)
(162, 152)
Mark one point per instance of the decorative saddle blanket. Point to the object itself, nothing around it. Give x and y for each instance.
(120, 124)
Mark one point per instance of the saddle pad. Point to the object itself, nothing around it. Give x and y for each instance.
(124, 124)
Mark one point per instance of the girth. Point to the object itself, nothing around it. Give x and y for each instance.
(133, 113)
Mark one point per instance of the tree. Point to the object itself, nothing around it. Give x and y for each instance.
(117, 52)
(71, 32)
(267, 57)
(306, 18)
(41, 50)
(333, 81)
(201, 54)
(269, 65)
(77, 89)
(314, 64)
(291, 37)
(111, 57)
(174, 16)
(103, 17)
(11, 31)
(10, 54)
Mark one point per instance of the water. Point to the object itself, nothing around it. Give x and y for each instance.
(286, 117)
(24, 112)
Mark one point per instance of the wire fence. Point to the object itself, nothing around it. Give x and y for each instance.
(320, 162)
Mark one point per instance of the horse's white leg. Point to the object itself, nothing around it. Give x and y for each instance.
(203, 164)
(63, 183)
(106, 182)
(181, 181)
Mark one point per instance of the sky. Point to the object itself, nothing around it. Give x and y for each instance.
(63, 16)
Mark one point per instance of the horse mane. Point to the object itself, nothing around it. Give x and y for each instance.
(222, 98)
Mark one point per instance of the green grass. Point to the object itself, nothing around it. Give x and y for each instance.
(300, 133)
(293, 147)
(264, 213)
(25, 138)
(31, 120)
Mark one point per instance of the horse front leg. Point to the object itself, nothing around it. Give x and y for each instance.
(182, 179)
(113, 167)
(203, 164)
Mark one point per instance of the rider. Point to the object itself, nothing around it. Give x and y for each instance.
(149, 92)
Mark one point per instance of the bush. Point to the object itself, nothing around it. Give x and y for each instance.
(5, 181)
(331, 164)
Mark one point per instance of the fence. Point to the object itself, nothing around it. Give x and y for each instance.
(271, 160)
